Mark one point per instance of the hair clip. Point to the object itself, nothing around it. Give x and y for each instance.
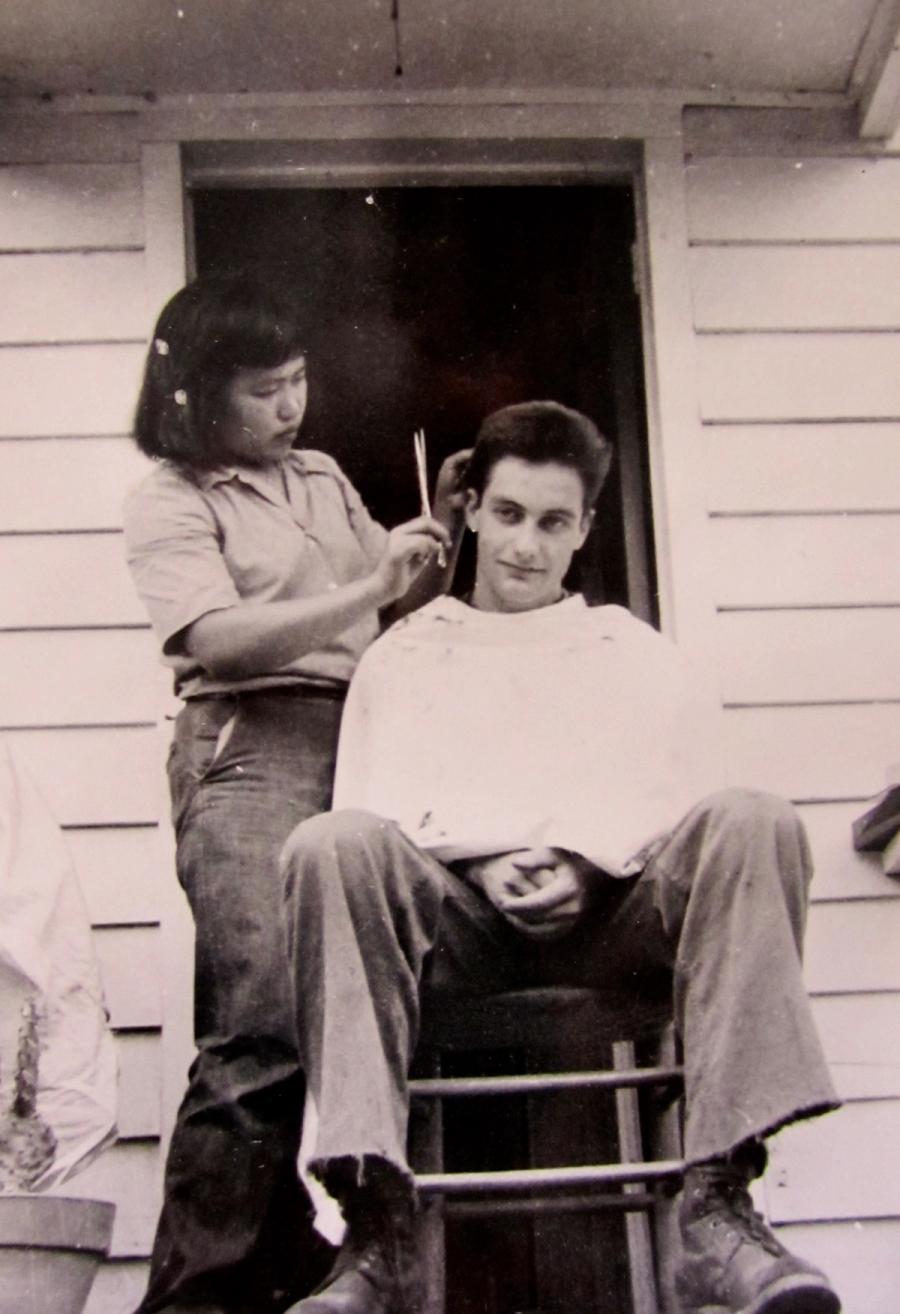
(160, 346)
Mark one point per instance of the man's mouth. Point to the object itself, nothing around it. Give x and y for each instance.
(521, 570)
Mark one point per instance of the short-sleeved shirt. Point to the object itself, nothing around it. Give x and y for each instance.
(203, 542)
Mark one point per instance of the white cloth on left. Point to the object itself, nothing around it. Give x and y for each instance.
(571, 727)
(47, 954)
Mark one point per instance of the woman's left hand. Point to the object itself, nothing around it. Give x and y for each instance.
(450, 490)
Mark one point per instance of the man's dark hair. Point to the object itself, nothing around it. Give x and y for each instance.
(208, 331)
(541, 432)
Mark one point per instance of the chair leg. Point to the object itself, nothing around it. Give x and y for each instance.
(426, 1155)
(667, 1144)
(637, 1224)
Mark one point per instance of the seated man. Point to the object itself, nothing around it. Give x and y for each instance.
(519, 786)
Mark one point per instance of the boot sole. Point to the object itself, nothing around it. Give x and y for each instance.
(794, 1294)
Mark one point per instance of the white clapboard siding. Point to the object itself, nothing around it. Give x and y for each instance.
(830, 560)
(78, 677)
(129, 1173)
(769, 287)
(799, 376)
(30, 137)
(95, 776)
(861, 1038)
(803, 467)
(836, 752)
(841, 872)
(794, 200)
(862, 1260)
(118, 1287)
(852, 947)
(129, 967)
(69, 390)
(140, 1069)
(844, 1165)
(809, 656)
(120, 870)
(67, 206)
(72, 296)
(67, 483)
(66, 579)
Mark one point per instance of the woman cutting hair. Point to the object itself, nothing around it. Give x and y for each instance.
(265, 579)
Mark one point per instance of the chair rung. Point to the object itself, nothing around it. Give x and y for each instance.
(547, 1179)
(439, 1087)
(559, 1204)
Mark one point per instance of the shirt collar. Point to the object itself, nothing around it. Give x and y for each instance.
(245, 474)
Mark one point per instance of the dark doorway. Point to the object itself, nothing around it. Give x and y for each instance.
(432, 306)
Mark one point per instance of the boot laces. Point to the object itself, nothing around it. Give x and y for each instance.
(728, 1203)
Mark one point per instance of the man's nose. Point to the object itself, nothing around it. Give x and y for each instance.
(525, 543)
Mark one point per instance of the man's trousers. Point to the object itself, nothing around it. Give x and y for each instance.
(714, 923)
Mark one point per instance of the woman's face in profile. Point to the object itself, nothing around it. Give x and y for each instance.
(263, 411)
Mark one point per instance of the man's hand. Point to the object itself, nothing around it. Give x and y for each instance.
(541, 892)
(450, 490)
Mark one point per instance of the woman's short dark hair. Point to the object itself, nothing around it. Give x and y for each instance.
(541, 432)
(209, 330)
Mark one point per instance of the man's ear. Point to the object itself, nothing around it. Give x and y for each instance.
(586, 521)
(473, 507)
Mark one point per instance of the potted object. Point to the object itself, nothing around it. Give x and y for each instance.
(57, 1065)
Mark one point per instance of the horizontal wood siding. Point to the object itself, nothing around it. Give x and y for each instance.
(794, 271)
(851, 947)
(861, 1256)
(793, 200)
(79, 673)
(116, 677)
(861, 1035)
(841, 873)
(820, 655)
(118, 867)
(80, 389)
(96, 775)
(799, 376)
(776, 287)
(67, 579)
(837, 751)
(38, 476)
(70, 207)
(85, 296)
(796, 467)
(856, 1154)
(833, 560)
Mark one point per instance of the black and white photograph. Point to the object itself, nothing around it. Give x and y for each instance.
(449, 657)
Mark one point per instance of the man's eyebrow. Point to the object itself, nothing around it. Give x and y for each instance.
(501, 500)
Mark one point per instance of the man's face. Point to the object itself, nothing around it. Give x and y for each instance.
(529, 521)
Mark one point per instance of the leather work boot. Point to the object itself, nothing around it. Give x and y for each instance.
(733, 1263)
(377, 1269)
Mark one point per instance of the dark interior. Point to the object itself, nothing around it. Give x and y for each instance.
(431, 306)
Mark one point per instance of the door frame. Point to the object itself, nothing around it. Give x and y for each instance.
(355, 145)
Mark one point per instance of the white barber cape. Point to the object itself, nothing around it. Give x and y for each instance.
(570, 726)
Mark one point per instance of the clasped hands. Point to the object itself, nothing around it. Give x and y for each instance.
(541, 892)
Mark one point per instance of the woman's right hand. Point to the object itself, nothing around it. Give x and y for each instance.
(407, 552)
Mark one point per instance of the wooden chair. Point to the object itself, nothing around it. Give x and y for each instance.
(578, 1025)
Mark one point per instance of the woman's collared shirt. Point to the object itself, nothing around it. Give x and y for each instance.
(234, 535)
